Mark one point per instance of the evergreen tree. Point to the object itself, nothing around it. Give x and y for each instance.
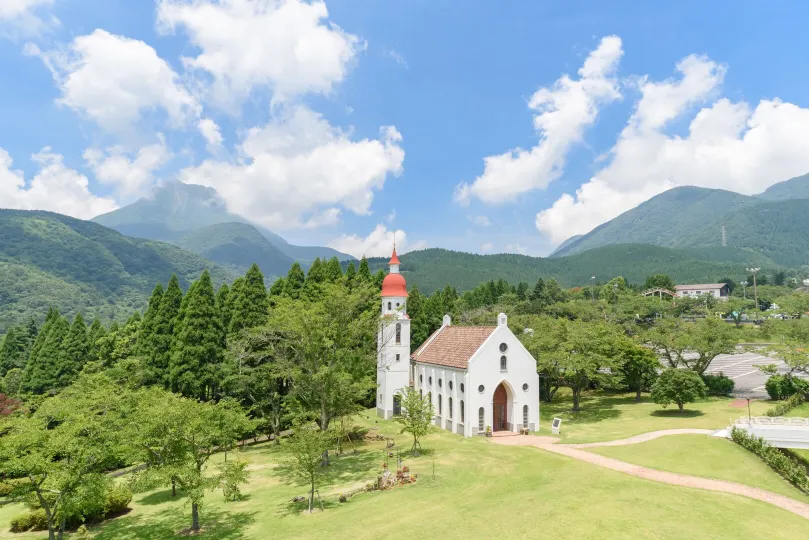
(522, 291)
(317, 272)
(42, 335)
(295, 280)
(539, 290)
(158, 347)
(278, 286)
(419, 326)
(96, 332)
(147, 325)
(12, 350)
(332, 270)
(378, 278)
(351, 274)
(364, 273)
(42, 373)
(224, 303)
(251, 306)
(74, 352)
(199, 343)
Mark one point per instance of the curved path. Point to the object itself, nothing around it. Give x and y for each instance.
(723, 486)
(644, 437)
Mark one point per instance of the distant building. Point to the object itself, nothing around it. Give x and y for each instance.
(717, 290)
(475, 376)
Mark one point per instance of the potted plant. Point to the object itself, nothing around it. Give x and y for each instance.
(488, 431)
(406, 469)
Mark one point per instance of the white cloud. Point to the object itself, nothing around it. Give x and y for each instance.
(131, 174)
(210, 132)
(326, 218)
(379, 243)
(562, 113)
(299, 164)
(288, 46)
(391, 217)
(728, 145)
(114, 80)
(487, 247)
(516, 248)
(480, 221)
(396, 57)
(20, 18)
(55, 187)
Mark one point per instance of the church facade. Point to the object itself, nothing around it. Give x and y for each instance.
(476, 377)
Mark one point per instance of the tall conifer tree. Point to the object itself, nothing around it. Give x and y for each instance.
(158, 347)
(364, 273)
(351, 274)
(149, 319)
(42, 335)
(12, 350)
(96, 332)
(42, 373)
(224, 303)
(251, 306)
(295, 280)
(74, 352)
(316, 273)
(332, 270)
(199, 343)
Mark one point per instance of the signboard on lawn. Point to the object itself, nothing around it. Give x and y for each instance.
(557, 423)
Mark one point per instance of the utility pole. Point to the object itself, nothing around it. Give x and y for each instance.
(593, 289)
(755, 290)
(744, 289)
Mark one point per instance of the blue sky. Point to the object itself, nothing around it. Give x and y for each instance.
(337, 123)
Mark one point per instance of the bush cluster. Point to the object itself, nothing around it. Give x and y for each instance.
(785, 406)
(31, 521)
(782, 386)
(780, 462)
(718, 385)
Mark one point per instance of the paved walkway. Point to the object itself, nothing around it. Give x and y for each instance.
(574, 451)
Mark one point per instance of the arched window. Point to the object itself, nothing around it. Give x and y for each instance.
(439, 383)
(439, 405)
(397, 406)
(421, 378)
(503, 363)
(462, 388)
(462, 413)
(524, 415)
(449, 404)
(397, 357)
(388, 306)
(480, 419)
(430, 397)
(398, 333)
(430, 380)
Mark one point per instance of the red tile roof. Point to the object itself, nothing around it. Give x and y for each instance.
(452, 346)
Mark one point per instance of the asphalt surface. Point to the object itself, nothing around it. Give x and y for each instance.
(741, 368)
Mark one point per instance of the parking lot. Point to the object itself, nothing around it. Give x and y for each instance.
(741, 368)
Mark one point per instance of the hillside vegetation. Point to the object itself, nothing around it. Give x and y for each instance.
(48, 259)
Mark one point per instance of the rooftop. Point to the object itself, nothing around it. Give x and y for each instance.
(453, 346)
(701, 286)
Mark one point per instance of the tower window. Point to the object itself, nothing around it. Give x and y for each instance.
(480, 419)
(503, 363)
(462, 388)
(449, 404)
(388, 306)
(421, 378)
(525, 416)
(462, 413)
(439, 383)
(398, 333)
(430, 380)
(421, 393)
(397, 357)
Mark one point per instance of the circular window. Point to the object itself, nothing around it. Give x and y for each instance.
(525, 387)
(439, 383)
(481, 388)
(461, 387)
(450, 385)
(503, 347)
(430, 380)
(421, 378)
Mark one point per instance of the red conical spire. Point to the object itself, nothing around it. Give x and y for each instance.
(394, 259)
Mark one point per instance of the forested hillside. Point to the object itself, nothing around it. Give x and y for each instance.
(48, 259)
(433, 269)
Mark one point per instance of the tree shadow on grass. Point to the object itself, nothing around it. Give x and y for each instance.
(674, 413)
(216, 525)
(160, 497)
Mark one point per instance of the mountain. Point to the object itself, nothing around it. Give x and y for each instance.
(48, 259)
(769, 223)
(432, 269)
(175, 210)
(237, 245)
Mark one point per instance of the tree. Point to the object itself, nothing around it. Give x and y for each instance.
(96, 332)
(351, 274)
(50, 318)
(149, 319)
(120, 343)
(703, 340)
(332, 270)
(587, 348)
(12, 350)
(542, 341)
(779, 278)
(75, 351)
(42, 374)
(364, 272)
(60, 453)
(416, 417)
(12, 382)
(176, 437)
(250, 304)
(158, 347)
(308, 444)
(199, 343)
(661, 281)
(224, 303)
(538, 291)
(326, 349)
(378, 278)
(639, 365)
(522, 291)
(678, 386)
(294, 281)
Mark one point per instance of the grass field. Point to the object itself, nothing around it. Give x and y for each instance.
(606, 416)
(480, 490)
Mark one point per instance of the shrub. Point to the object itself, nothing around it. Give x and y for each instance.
(30, 521)
(678, 386)
(118, 499)
(785, 406)
(782, 386)
(718, 385)
(39, 521)
(21, 523)
(232, 474)
(781, 463)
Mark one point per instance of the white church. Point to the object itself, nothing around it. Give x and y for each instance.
(476, 377)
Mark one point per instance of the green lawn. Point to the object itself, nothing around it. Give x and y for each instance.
(701, 455)
(480, 490)
(606, 416)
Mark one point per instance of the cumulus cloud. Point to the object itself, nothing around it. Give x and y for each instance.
(129, 173)
(516, 248)
(379, 243)
(55, 187)
(114, 80)
(210, 132)
(297, 165)
(487, 247)
(480, 221)
(728, 145)
(22, 18)
(562, 113)
(288, 46)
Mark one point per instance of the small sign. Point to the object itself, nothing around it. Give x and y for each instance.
(557, 423)
(735, 314)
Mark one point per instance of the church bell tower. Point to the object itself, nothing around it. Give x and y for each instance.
(393, 342)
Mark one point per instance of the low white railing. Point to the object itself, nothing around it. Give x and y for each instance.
(773, 421)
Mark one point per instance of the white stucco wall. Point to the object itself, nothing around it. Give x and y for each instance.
(392, 375)
(427, 380)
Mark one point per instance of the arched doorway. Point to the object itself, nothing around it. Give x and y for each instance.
(500, 409)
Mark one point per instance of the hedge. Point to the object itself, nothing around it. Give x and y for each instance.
(780, 462)
(718, 385)
(787, 405)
